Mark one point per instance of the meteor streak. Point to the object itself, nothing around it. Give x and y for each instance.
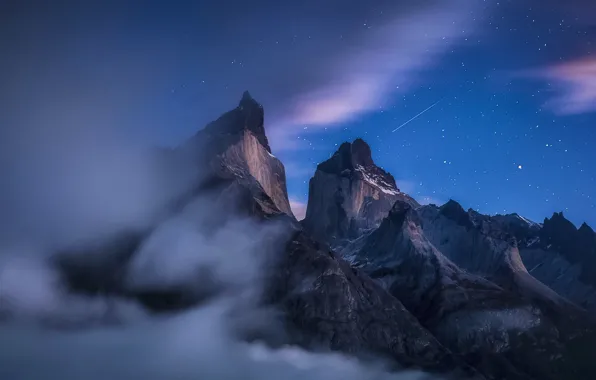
(416, 117)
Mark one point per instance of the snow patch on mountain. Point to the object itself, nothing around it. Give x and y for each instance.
(377, 181)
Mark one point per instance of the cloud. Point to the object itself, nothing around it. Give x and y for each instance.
(162, 74)
(575, 83)
(76, 168)
(298, 208)
(189, 346)
(384, 60)
(205, 342)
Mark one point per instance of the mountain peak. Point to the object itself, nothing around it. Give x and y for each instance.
(248, 101)
(356, 153)
(349, 156)
(584, 228)
(454, 211)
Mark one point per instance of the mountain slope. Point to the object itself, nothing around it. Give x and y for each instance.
(504, 334)
(477, 244)
(509, 250)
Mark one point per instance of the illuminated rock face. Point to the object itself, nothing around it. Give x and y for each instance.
(349, 194)
(236, 143)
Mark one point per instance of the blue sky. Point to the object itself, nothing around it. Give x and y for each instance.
(514, 129)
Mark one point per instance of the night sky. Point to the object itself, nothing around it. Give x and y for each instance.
(514, 129)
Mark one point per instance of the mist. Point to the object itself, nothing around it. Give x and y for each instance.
(195, 345)
(204, 342)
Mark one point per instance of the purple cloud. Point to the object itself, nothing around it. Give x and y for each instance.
(575, 84)
(359, 78)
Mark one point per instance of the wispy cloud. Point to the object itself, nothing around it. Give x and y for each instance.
(327, 62)
(385, 60)
(382, 61)
(575, 84)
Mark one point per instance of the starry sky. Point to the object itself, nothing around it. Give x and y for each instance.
(508, 88)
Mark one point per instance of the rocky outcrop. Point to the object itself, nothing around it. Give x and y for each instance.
(349, 194)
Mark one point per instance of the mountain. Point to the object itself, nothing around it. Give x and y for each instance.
(517, 253)
(235, 144)
(501, 332)
(368, 271)
(561, 256)
(349, 194)
(460, 273)
(323, 302)
(480, 246)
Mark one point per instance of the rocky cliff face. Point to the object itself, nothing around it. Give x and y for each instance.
(578, 246)
(349, 194)
(236, 143)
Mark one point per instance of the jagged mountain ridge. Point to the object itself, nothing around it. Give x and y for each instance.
(478, 245)
(512, 250)
(468, 313)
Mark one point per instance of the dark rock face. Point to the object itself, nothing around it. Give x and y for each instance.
(329, 304)
(349, 194)
(454, 211)
(248, 116)
(578, 246)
